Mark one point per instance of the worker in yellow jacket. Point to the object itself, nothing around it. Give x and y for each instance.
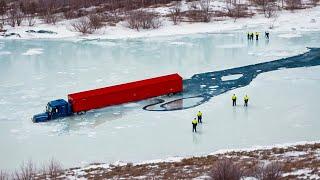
(257, 36)
(246, 99)
(194, 125)
(234, 100)
(199, 115)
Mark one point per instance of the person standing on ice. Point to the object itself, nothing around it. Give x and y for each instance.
(248, 34)
(194, 125)
(234, 100)
(267, 35)
(246, 99)
(199, 115)
(257, 36)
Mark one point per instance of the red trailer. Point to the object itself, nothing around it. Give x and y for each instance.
(123, 93)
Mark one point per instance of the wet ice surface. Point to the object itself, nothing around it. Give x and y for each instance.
(282, 105)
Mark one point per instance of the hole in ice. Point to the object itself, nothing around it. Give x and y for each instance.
(183, 103)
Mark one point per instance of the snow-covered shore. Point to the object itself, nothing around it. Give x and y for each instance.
(297, 160)
(286, 21)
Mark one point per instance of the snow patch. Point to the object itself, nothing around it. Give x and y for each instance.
(169, 159)
(298, 172)
(14, 130)
(92, 134)
(33, 51)
(181, 43)
(119, 127)
(202, 177)
(294, 154)
(131, 105)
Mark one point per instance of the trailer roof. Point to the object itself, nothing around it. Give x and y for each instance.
(126, 86)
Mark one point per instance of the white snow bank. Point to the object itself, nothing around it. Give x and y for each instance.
(231, 77)
(33, 51)
(254, 148)
(298, 172)
(294, 154)
(299, 21)
(169, 159)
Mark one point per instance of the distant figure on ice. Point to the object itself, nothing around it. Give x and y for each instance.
(257, 36)
(251, 36)
(234, 100)
(246, 99)
(267, 35)
(199, 117)
(248, 35)
(194, 125)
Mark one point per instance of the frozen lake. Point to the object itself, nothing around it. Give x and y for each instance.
(282, 108)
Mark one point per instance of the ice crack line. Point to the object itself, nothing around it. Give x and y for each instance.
(200, 88)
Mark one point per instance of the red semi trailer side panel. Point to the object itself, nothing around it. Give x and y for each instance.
(123, 93)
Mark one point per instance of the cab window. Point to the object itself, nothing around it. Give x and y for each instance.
(49, 108)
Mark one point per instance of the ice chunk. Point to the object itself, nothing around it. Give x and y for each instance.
(231, 77)
(213, 87)
(33, 51)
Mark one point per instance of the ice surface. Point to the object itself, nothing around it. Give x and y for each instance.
(4, 53)
(282, 106)
(291, 35)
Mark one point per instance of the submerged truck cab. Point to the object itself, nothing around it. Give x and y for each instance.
(55, 109)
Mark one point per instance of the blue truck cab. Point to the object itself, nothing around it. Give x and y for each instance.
(55, 109)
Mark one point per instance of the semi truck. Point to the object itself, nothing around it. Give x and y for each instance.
(81, 102)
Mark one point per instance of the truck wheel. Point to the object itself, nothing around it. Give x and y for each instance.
(81, 112)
